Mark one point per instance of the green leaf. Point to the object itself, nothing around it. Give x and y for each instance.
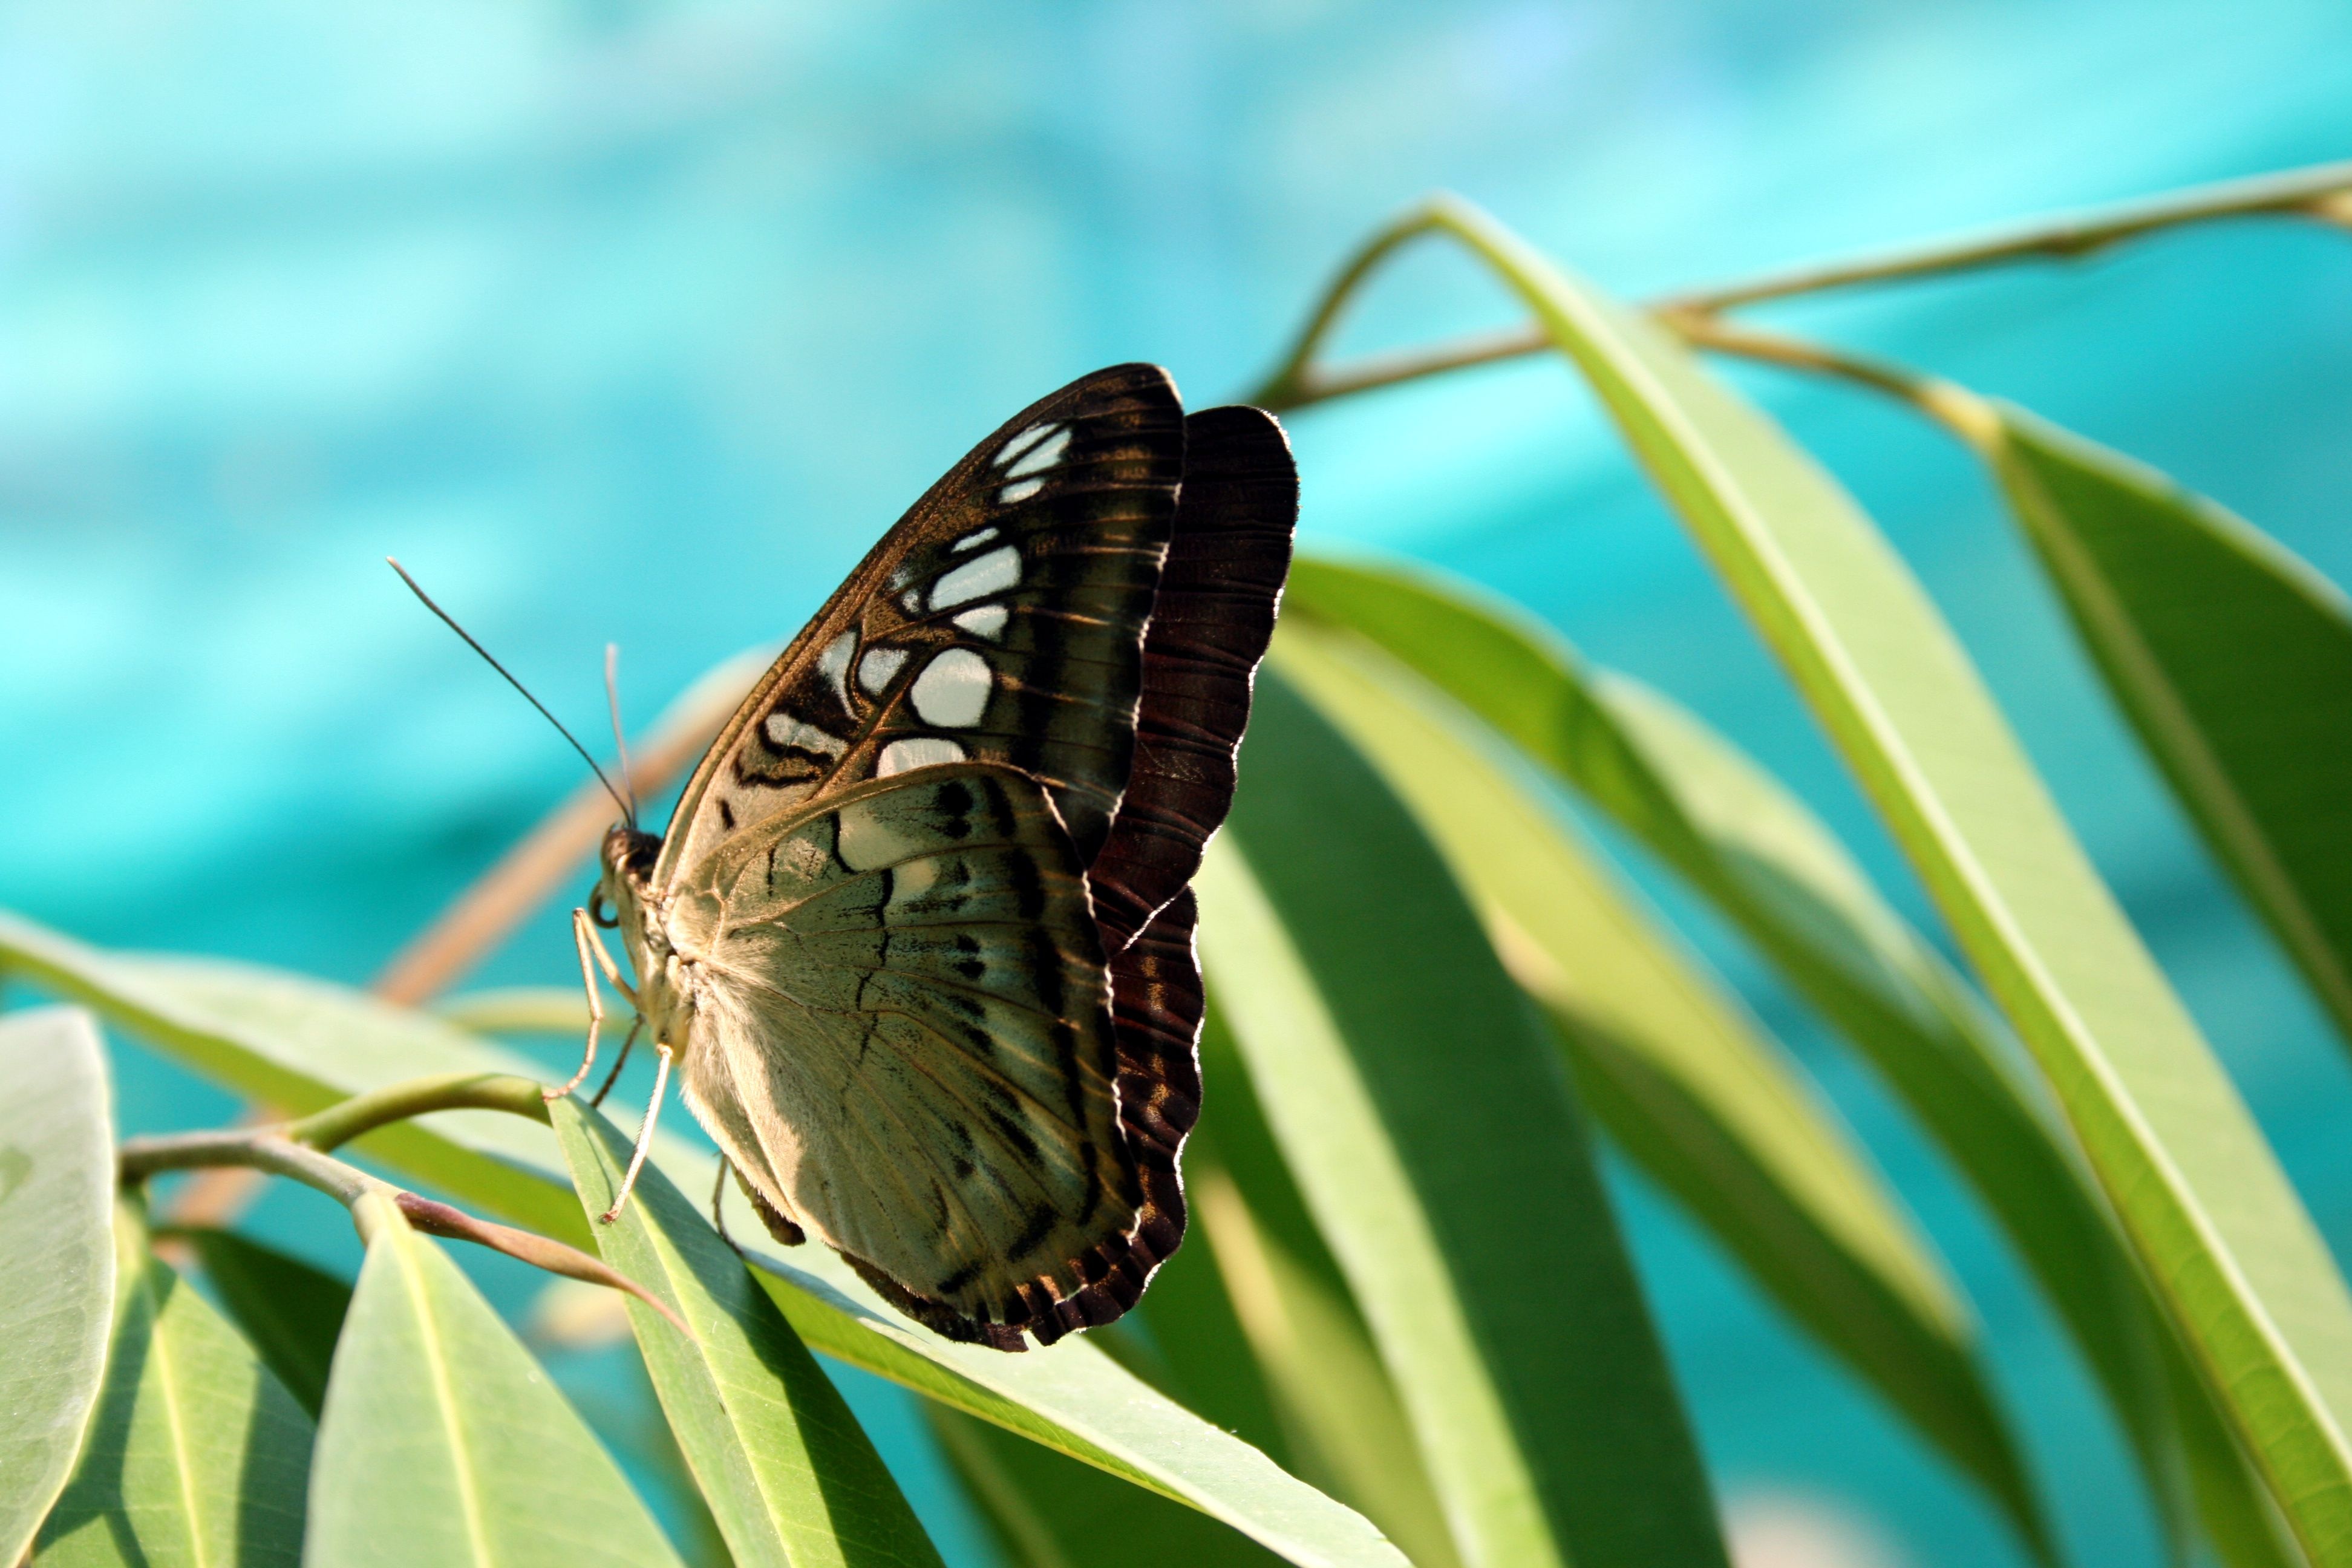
(1428, 1119)
(790, 1476)
(303, 1043)
(291, 1311)
(2233, 659)
(1769, 865)
(443, 1441)
(1321, 1365)
(198, 1457)
(57, 1256)
(1682, 1079)
(1048, 1511)
(2200, 1196)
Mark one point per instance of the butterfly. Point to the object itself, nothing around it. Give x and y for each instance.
(918, 941)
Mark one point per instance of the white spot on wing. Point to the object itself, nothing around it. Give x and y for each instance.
(953, 690)
(833, 664)
(1020, 489)
(1021, 443)
(785, 729)
(1043, 456)
(984, 621)
(915, 751)
(981, 575)
(972, 541)
(875, 670)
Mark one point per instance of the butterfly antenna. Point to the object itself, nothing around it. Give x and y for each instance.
(620, 739)
(446, 620)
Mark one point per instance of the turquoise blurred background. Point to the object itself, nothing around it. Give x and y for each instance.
(638, 322)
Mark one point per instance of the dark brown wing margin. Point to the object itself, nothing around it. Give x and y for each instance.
(1156, 1004)
(1227, 559)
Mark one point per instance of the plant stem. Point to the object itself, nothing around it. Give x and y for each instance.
(2321, 193)
(1955, 407)
(2297, 193)
(264, 1151)
(338, 1124)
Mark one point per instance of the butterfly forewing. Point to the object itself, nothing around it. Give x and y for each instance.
(903, 1036)
(1001, 621)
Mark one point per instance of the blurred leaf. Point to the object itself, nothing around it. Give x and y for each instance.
(443, 1441)
(57, 1255)
(1770, 865)
(1682, 1080)
(2233, 659)
(289, 1310)
(304, 1044)
(2211, 1215)
(790, 1476)
(1320, 1359)
(1048, 1511)
(198, 1457)
(1427, 1120)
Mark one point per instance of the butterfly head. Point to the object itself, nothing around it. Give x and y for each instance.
(626, 860)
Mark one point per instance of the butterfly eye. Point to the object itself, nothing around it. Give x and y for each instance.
(602, 913)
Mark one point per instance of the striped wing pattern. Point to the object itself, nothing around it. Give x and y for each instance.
(933, 875)
(1000, 621)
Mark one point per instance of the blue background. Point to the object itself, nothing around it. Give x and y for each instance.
(639, 322)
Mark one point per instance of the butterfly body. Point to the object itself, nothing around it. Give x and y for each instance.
(918, 937)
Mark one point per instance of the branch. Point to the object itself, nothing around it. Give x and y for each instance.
(298, 1150)
(2322, 193)
(1946, 403)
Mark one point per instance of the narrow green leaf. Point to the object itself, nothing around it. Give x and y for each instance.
(303, 1043)
(790, 1476)
(1324, 1371)
(291, 1311)
(1684, 1080)
(1426, 1118)
(1770, 865)
(57, 1256)
(2200, 1196)
(1048, 1511)
(2233, 659)
(443, 1441)
(198, 1457)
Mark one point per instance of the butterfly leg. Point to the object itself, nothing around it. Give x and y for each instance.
(645, 1133)
(717, 1196)
(614, 1077)
(582, 937)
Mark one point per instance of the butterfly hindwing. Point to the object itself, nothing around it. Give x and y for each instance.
(946, 1113)
(1002, 620)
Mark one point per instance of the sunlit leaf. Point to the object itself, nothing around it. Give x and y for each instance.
(1770, 865)
(197, 1458)
(1048, 1511)
(2233, 659)
(789, 1475)
(1427, 1119)
(303, 1043)
(1682, 1079)
(57, 1255)
(443, 1441)
(2217, 1227)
